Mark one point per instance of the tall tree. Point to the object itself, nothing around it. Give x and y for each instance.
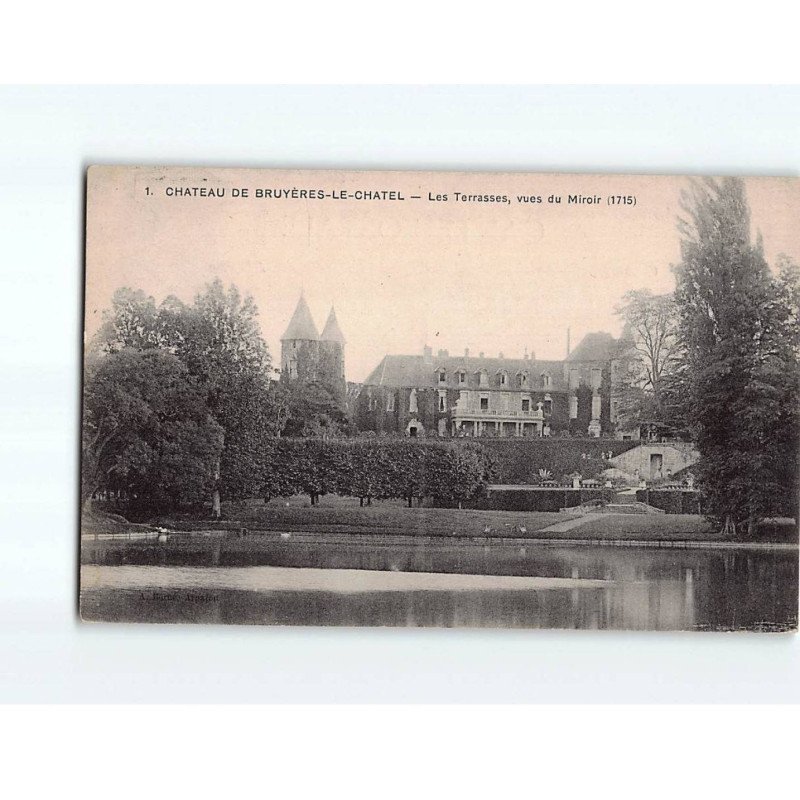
(223, 348)
(739, 352)
(650, 339)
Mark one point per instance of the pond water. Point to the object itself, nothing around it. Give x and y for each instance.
(320, 580)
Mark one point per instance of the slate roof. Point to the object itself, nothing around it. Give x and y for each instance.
(413, 371)
(598, 346)
(301, 325)
(332, 332)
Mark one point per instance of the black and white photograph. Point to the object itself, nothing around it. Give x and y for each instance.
(440, 399)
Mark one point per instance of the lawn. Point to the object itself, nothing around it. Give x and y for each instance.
(336, 515)
(344, 515)
(379, 518)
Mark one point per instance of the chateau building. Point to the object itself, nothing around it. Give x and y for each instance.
(464, 395)
(444, 395)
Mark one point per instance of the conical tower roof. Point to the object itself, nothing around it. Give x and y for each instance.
(332, 332)
(301, 326)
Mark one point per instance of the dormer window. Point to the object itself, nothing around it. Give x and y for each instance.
(546, 380)
(522, 379)
(483, 378)
(461, 377)
(502, 378)
(442, 375)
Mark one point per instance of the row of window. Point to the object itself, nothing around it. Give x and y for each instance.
(502, 378)
(547, 405)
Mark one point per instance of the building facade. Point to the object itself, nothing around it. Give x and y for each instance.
(464, 395)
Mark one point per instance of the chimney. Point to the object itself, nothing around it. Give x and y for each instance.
(427, 354)
(568, 347)
(466, 352)
(480, 355)
(533, 355)
(500, 356)
(443, 354)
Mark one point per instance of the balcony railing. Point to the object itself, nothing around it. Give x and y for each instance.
(492, 413)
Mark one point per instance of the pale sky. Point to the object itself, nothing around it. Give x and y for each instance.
(489, 276)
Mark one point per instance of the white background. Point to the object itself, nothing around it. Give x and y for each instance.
(51, 135)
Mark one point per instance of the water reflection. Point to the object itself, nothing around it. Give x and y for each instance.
(648, 589)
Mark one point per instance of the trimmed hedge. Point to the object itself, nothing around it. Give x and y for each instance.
(672, 501)
(519, 460)
(540, 499)
(376, 468)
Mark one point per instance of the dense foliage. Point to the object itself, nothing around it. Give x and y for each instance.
(739, 359)
(377, 469)
(147, 430)
(216, 348)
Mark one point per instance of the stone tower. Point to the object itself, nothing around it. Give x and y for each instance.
(331, 356)
(300, 345)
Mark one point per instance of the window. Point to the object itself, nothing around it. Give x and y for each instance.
(443, 400)
(573, 407)
(484, 403)
(547, 406)
(483, 379)
(462, 376)
(546, 380)
(596, 407)
(412, 401)
(526, 404)
(442, 376)
(503, 379)
(390, 402)
(574, 379)
(523, 378)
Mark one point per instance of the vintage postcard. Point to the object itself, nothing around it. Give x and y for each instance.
(440, 399)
